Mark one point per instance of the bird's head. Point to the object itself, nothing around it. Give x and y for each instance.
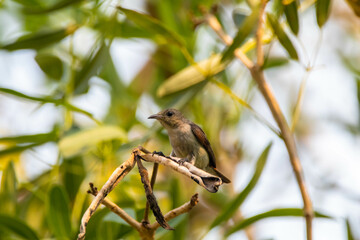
(170, 118)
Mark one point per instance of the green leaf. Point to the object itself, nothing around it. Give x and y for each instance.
(244, 31)
(28, 2)
(282, 36)
(33, 138)
(17, 227)
(350, 235)
(154, 26)
(8, 190)
(322, 11)
(279, 212)
(96, 61)
(292, 16)
(73, 174)
(234, 205)
(58, 213)
(83, 140)
(51, 65)
(274, 62)
(47, 100)
(40, 40)
(192, 75)
(18, 149)
(57, 6)
(93, 226)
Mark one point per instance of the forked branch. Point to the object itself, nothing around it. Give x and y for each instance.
(147, 231)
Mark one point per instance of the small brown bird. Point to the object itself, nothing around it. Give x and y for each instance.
(188, 141)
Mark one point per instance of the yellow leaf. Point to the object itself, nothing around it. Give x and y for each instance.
(192, 75)
(78, 142)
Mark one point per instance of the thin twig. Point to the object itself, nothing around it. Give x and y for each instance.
(151, 199)
(146, 232)
(114, 179)
(206, 180)
(116, 209)
(152, 183)
(178, 211)
(259, 35)
(258, 75)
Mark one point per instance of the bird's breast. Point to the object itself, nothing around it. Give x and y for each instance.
(185, 145)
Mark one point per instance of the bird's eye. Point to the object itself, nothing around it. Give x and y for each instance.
(169, 114)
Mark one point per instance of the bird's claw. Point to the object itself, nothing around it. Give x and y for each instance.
(182, 161)
(158, 153)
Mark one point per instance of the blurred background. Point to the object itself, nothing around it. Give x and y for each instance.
(78, 80)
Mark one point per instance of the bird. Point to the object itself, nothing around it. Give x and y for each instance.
(188, 141)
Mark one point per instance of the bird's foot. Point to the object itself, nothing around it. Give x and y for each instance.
(158, 153)
(162, 155)
(182, 161)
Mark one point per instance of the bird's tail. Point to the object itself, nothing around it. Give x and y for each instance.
(223, 178)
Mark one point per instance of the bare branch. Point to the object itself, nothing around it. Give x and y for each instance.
(204, 179)
(116, 209)
(145, 220)
(119, 173)
(146, 231)
(178, 211)
(259, 34)
(151, 199)
(258, 75)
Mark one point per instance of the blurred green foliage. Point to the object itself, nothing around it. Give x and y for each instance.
(51, 204)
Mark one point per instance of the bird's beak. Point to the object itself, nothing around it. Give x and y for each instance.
(155, 116)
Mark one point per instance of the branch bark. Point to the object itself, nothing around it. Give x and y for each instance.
(204, 179)
(146, 231)
(151, 199)
(145, 220)
(178, 211)
(114, 179)
(116, 209)
(258, 75)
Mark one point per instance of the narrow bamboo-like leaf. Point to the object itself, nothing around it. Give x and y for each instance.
(47, 100)
(192, 75)
(78, 142)
(25, 96)
(57, 6)
(58, 213)
(234, 205)
(17, 227)
(280, 212)
(27, 2)
(283, 37)
(18, 149)
(273, 62)
(8, 190)
(244, 31)
(350, 235)
(292, 16)
(50, 64)
(73, 170)
(42, 137)
(153, 25)
(277, 8)
(92, 66)
(40, 40)
(322, 11)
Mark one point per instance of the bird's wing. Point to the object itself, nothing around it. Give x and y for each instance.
(201, 138)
